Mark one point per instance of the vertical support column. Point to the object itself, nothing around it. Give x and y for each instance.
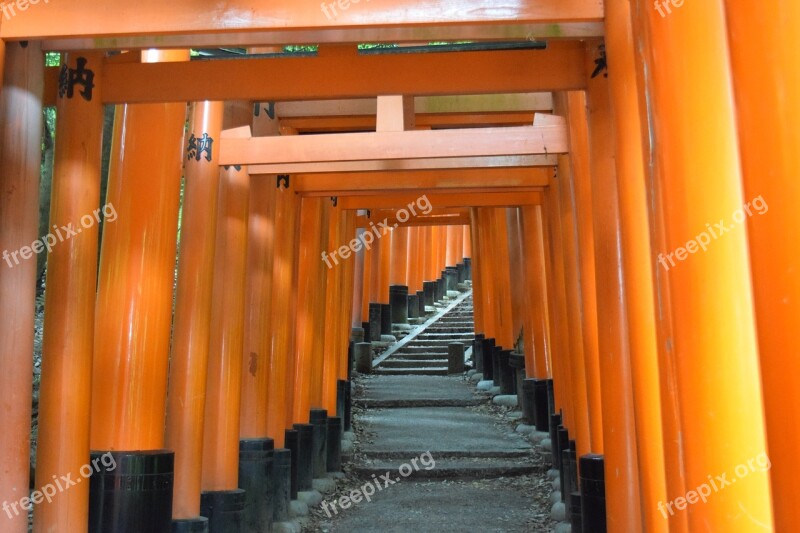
(769, 139)
(312, 239)
(359, 281)
(715, 325)
(20, 159)
(398, 276)
(467, 252)
(220, 471)
(414, 260)
(637, 263)
(477, 275)
(384, 265)
(581, 432)
(257, 353)
(425, 246)
(619, 428)
(580, 180)
(369, 254)
(284, 280)
(136, 276)
(558, 302)
(189, 362)
(451, 252)
(537, 341)
(519, 310)
(68, 343)
(486, 266)
(133, 313)
(334, 317)
(398, 273)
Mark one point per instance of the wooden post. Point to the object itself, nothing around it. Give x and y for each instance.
(20, 159)
(186, 400)
(700, 178)
(133, 314)
(768, 138)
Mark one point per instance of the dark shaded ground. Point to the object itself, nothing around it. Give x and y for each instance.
(486, 477)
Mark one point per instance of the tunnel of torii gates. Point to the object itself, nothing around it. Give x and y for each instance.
(605, 166)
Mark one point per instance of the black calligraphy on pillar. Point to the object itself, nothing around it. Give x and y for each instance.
(269, 108)
(70, 77)
(601, 63)
(198, 146)
(237, 168)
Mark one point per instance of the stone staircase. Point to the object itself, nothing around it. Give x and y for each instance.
(424, 351)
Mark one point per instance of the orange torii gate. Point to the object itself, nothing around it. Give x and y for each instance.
(654, 364)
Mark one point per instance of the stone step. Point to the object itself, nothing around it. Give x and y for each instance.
(422, 350)
(418, 402)
(439, 327)
(413, 363)
(418, 356)
(439, 344)
(434, 371)
(451, 469)
(439, 337)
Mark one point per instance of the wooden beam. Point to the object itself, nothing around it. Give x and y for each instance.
(403, 34)
(115, 19)
(440, 200)
(480, 103)
(308, 78)
(437, 217)
(349, 183)
(524, 140)
(342, 124)
(408, 164)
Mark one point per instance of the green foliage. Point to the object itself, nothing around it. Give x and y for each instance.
(52, 59)
(301, 48)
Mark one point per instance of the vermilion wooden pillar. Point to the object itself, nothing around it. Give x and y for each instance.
(186, 399)
(711, 301)
(261, 234)
(358, 282)
(347, 306)
(312, 239)
(623, 501)
(425, 242)
(398, 274)
(133, 315)
(451, 250)
(558, 311)
(478, 296)
(459, 245)
(434, 271)
(580, 179)
(224, 383)
(257, 351)
(577, 364)
(467, 240)
(69, 304)
(637, 263)
(374, 260)
(20, 159)
(674, 455)
(369, 255)
(284, 297)
(486, 266)
(519, 310)
(414, 260)
(385, 266)
(769, 141)
(537, 337)
(335, 319)
(501, 255)
(441, 251)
